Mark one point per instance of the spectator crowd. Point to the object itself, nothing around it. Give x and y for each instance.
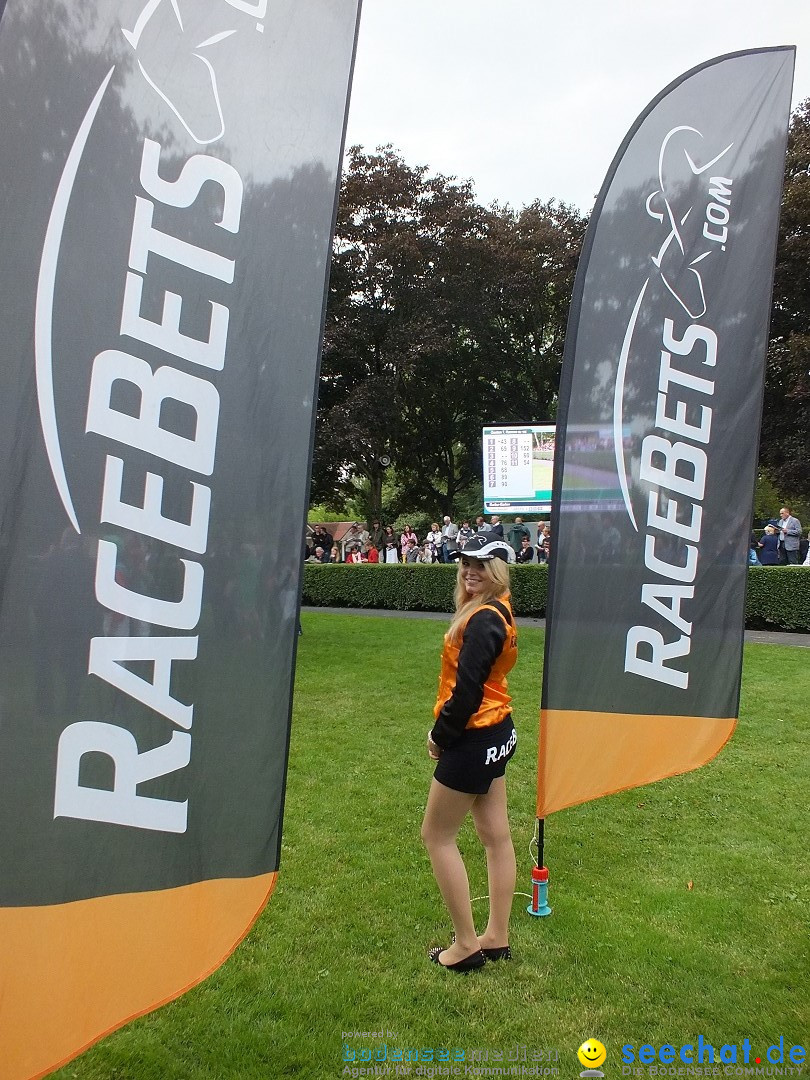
(440, 544)
(780, 544)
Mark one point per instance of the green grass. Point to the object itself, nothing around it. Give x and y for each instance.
(631, 953)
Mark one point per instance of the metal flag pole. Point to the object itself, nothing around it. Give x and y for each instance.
(539, 905)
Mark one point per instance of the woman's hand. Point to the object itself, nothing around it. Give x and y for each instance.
(434, 751)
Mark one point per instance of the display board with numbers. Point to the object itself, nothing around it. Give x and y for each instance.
(518, 464)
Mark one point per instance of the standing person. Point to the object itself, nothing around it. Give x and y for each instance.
(376, 537)
(790, 531)
(472, 740)
(769, 547)
(407, 535)
(356, 534)
(517, 531)
(321, 538)
(495, 526)
(449, 542)
(391, 554)
(434, 536)
(526, 553)
(464, 533)
(389, 537)
(481, 525)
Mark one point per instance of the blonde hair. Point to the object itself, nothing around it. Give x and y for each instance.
(496, 572)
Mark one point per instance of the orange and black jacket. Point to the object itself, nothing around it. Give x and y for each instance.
(472, 683)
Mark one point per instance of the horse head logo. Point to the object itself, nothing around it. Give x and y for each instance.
(672, 204)
(178, 69)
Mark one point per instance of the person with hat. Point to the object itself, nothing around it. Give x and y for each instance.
(377, 537)
(472, 740)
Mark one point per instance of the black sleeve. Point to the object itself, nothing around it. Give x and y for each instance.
(481, 645)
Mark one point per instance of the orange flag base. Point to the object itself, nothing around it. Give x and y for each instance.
(72, 973)
(608, 752)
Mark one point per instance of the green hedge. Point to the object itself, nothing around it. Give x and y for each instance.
(778, 596)
(411, 587)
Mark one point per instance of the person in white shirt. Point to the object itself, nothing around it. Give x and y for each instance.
(449, 535)
(391, 553)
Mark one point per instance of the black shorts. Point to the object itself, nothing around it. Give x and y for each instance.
(479, 757)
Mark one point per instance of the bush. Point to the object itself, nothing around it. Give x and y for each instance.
(411, 587)
(778, 596)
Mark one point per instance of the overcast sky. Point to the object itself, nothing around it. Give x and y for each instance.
(531, 99)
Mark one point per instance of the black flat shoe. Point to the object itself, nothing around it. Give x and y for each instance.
(461, 967)
(502, 953)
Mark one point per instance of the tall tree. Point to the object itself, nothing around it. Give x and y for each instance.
(785, 438)
(443, 316)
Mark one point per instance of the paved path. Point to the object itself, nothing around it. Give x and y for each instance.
(759, 637)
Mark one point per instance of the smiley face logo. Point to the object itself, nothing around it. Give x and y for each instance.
(592, 1054)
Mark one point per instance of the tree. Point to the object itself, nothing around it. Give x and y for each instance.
(443, 316)
(785, 439)
(389, 232)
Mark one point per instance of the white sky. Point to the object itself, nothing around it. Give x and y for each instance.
(531, 99)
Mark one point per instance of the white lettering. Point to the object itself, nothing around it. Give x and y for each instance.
(666, 569)
(656, 597)
(668, 476)
(661, 651)
(694, 333)
(146, 240)
(678, 424)
(720, 189)
(719, 237)
(107, 659)
(668, 522)
(144, 430)
(149, 519)
(195, 172)
(166, 334)
(122, 805)
(183, 614)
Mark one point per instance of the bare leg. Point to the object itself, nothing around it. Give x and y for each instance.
(444, 814)
(492, 825)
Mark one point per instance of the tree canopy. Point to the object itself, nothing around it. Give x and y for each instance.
(785, 438)
(443, 316)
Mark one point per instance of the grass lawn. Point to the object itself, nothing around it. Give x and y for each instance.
(632, 953)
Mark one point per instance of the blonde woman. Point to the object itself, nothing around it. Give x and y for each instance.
(472, 740)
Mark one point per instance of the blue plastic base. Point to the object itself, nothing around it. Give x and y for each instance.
(542, 908)
(546, 910)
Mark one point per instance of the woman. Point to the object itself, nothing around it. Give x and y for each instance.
(464, 533)
(407, 535)
(389, 537)
(434, 536)
(472, 740)
(526, 553)
(769, 547)
(391, 555)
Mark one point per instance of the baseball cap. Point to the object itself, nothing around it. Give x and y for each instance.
(485, 546)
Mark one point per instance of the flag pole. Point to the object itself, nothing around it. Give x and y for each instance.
(539, 905)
